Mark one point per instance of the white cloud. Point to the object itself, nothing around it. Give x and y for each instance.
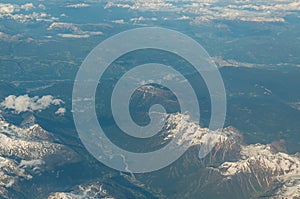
(7, 8)
(75, 31)
(60, 111)
(138, 19)
(24, 103)
(220, 62)
(27, 6)
(208, 10)
(31, 163)
(142, 19)
(79, 5)
(63, 25)
(74, 36)
(119, 21)
(24, 13)
(183, 18)
(42, 6)
(7, 37)
(153, 5)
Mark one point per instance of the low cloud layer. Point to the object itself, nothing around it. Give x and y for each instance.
(25, 103)
(208, 10)
(25, 13)
(79, 5)
(74, 30)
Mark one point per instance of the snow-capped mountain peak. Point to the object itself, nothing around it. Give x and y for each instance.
(257, 165)
(24, 153)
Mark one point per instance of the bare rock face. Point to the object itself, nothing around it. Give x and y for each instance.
(1, 117)
(253, 170)
(28, 120)
(222, 143)
(90, 191)
(266, 168)
(26, 152)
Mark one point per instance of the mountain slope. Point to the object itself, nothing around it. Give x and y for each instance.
(25, 153)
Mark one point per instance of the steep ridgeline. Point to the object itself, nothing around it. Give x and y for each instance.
(90, 191)
(237, 169)
(25, 153)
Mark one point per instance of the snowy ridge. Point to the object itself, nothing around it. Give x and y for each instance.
(263, 162)
(24, 152)
(194, 135)
(290, 187)
(281, 167)
(9, 168)
(279, 164)
(27, 143)
(91, 191)
(33, 132)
